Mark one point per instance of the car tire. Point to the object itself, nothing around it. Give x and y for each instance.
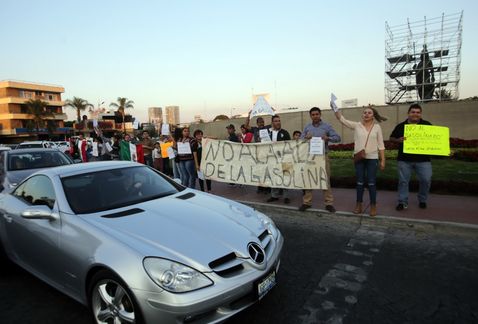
(109, 299)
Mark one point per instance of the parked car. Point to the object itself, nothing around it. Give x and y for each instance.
(16, 165)
(35, 144)
(137, 247)
(63, 146)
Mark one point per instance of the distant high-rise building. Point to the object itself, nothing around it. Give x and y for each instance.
(155, 115)
(172, 115)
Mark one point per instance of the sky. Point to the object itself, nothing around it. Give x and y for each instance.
(208, 57)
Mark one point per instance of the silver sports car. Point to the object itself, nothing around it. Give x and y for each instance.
(137, 247)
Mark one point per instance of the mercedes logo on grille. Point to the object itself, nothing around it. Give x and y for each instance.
(256, 252)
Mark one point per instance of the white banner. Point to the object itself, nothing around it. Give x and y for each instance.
(285, 164)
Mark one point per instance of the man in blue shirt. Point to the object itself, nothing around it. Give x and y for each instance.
(318, 128)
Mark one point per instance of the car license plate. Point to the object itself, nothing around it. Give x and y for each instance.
(266, 284)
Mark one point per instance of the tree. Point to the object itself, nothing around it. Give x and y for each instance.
(123, 103)
(80, 105)
(40, 112)
(220, 117)
(444, 95)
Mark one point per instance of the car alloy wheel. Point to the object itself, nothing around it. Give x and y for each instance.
(112, 303)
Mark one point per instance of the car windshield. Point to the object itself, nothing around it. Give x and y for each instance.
(104, 190)
(36, 160)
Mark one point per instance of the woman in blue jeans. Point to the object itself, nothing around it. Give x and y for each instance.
(367, 136)
(187, 154)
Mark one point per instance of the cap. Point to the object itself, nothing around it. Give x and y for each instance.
(231, 126)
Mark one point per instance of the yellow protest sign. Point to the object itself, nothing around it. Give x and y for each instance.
(426, 139)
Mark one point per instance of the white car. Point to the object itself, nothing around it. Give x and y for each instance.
(36, 144)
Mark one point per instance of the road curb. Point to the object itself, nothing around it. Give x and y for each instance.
(379, 220)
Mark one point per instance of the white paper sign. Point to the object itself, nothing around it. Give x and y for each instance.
(94, 149)
(316, 146)
(165, 129)
(200, 175)
(184, 148)
(170, 152)
(261, 107)
(108, 147)
(95, 123)
(333, 105)
(264, 135)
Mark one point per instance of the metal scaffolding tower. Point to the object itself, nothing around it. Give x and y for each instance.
(422, 59)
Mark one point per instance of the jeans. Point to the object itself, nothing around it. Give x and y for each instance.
(366, 170)
(148, 160)
(188, 173)
(423, 171)
(176, 170)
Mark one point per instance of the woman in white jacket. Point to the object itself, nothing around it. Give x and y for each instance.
(368, 137)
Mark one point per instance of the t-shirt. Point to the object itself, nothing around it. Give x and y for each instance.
(194, 148)
(233, 138)
(147, 142)
(255, 130)
(398, 132)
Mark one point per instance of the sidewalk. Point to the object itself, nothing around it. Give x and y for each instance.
(443, 208)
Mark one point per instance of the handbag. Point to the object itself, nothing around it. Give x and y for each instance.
(360, 155)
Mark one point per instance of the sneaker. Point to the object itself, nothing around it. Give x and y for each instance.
(422, 205)
(271, 199)
(286, 200)
(330, 209)
(401, 206)
(304, 207)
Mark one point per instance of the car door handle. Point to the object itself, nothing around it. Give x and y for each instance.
(7, 218)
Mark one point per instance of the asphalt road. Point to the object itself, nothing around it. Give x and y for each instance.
(333, 270)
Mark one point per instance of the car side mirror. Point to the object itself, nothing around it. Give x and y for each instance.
(39, 212)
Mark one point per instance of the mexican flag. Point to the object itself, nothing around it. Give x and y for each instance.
(131, 152)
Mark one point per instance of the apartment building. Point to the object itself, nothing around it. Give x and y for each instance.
(14, 117)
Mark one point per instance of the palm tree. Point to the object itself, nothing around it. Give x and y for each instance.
(123, 103)
(40, 113)
(79, 104)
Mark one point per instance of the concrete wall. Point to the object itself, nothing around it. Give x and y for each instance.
(460, 116)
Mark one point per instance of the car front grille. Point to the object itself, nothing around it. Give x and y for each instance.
(231, 265)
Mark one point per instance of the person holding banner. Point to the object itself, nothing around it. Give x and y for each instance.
(319, 128)
(188, 162)
(278, 134)
(407, 163)
(198, 135)
(368, 138)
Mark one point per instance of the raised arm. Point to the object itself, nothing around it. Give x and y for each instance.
(248, 120)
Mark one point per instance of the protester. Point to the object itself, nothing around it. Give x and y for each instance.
(198, 135)
(296, 135)
(96, 147)
(407, 163)
(188, 160)
(82, 146)
(368, 137)
(278, 134)
(157, 158)
(246, 135)
(177, 134)
(231, 134)
(127, 150)
(256, 130)
(319, 128)
(148, 146)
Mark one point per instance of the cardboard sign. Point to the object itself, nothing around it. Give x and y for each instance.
(426, 139)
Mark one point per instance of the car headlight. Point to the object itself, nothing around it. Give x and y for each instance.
(173, 276)
(269, 224)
